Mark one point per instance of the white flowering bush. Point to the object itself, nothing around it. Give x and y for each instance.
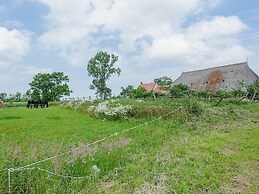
(110, 109)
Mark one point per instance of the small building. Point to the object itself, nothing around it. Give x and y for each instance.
(149, 87)
(224, 77)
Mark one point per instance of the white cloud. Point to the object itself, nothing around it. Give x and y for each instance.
(14, 45)
(71, 23)
(209, 42)
(176, 35)
(17, 77)
(30, 70)
(217, 27)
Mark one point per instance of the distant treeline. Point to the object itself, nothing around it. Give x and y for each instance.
(17, 97)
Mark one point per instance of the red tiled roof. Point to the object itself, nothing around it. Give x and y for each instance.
(153, 87)
(148, 87)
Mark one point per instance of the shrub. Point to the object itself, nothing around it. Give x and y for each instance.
(222, 93)
(141, 93)
(193, 107)
(179, 91)
(144, 111)
(204, 93)
(110, 109)
(253, 90)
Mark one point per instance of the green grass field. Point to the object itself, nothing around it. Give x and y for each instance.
(216, 152)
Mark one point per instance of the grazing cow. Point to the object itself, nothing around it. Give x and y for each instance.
(29, 104)
(37, 103)
(44, 104)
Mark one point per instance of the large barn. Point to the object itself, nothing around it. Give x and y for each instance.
(218, 78)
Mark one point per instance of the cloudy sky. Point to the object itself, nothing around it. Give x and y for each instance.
(152, 38)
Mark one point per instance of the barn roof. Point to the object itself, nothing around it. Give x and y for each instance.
(224, 77)
(153, 87)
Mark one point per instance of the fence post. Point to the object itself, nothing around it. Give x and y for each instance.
(9, 180)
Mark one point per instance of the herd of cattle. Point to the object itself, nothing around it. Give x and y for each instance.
(31, 103)
(37, 104)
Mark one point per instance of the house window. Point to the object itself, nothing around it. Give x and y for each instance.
(223, 80)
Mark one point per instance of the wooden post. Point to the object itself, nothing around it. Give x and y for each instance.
(254, 96)
(243, 97)
(154, 95)
(219, 101)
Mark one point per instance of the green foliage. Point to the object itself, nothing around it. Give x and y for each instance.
(203, 93)
(3, 96)
(17, 97)
(127, 92)
(178, 91)
(164, 82)
(141, 93)
(130, 92)
(101, 67)
(49, 86)
(253, 90)
(225, 94)
(240, 89)
(193, 107)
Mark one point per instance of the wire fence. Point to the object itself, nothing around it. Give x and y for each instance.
(32, 166)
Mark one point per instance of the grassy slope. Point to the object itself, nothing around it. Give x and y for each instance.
(214, 154)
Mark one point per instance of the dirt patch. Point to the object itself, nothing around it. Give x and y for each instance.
(17, 152)
(117, 144)
(240, 185)
(106, 186)
(158, 186)
(81, 150)
(228, 151)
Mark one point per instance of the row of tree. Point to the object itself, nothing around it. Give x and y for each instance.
(17, 97)
(181, 90)
(53, 86)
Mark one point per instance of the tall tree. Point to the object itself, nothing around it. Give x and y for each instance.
(17, 96)
(101, 67)
(3, 96)
(164, 82)
(127, 92)
(49, 86)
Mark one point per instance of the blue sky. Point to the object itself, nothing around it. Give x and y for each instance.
(152, 38)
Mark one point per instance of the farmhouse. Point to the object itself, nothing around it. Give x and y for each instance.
(218, 78)
(153, 87)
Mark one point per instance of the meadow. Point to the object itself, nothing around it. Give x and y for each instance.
(165, 147)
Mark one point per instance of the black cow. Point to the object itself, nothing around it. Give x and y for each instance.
(37, 103)
(44, 104)
(29, 104)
